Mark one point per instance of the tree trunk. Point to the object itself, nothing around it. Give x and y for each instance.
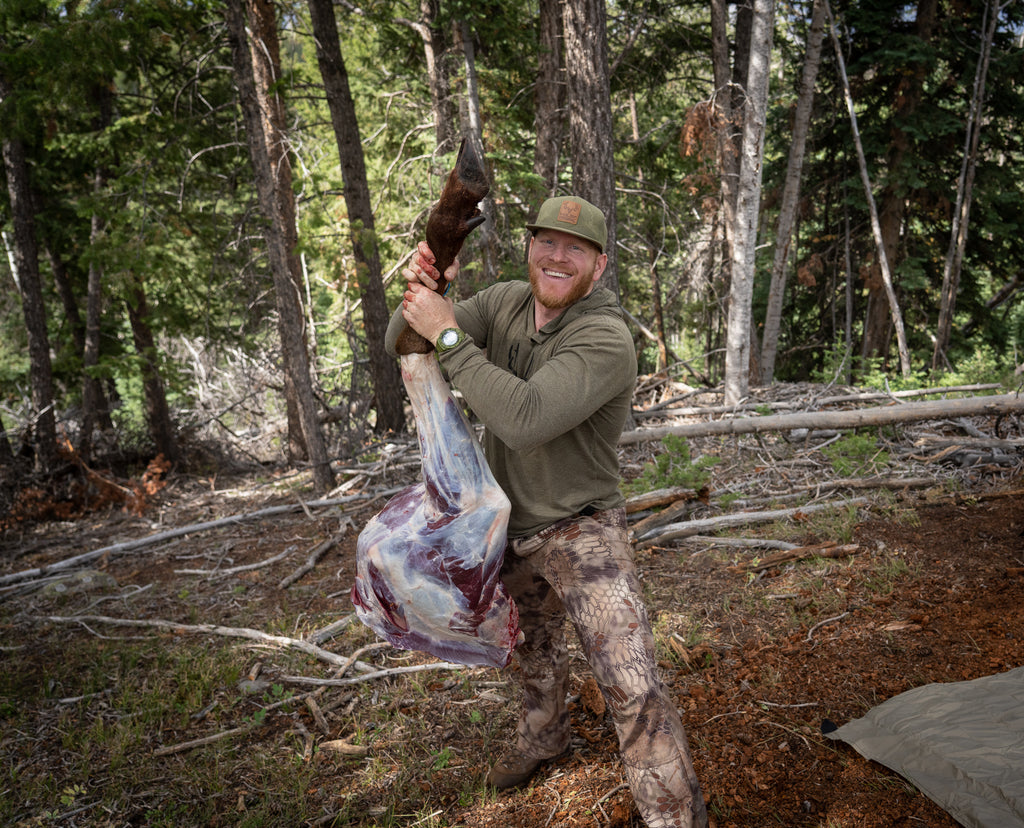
(964, 190)
(791, 194)
(91, 392)
(486, 241)
(858, 418)
(435, 48)
(729, 90)
(26, 265)
(6, 453)
(158, 415)
(892, 208)
(387, 380)
(549, 120)
(81, 336)
(590, 117)
(650, 228)
(883, 260)
(257, 71)
(727, 116)
(738, 337)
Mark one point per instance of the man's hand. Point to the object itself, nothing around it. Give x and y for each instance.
(421, 268)
(427, 312)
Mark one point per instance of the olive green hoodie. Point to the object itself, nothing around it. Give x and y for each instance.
(553, 401)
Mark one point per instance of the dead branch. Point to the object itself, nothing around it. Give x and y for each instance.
(315, 555)
(764, 543)
(825, 622)
(661, 497)
(318, 715)
(662, 409)
(212, 629)
(935, 441)
(675, 512)
(345, 748)
(236, 569)
(206, 740)
(698, 527)
(801, 553)
(391, 671)
(140, 543)
(331, 630)
(895, 483)
(875, 416)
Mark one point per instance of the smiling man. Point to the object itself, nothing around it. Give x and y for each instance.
(549, 368)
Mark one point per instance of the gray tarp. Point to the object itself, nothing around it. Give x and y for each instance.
(960, 743)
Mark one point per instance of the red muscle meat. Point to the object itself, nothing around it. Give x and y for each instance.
(428, 565)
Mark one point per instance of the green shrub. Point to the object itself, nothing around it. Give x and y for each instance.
(673, 467)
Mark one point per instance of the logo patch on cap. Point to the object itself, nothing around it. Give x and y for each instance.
(569, 212)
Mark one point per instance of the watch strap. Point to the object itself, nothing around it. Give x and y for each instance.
(449, 338)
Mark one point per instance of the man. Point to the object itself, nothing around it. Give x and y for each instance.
(549, 368)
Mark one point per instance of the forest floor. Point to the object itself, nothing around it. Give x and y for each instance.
(110, 673)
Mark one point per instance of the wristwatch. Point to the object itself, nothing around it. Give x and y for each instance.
(448, 339)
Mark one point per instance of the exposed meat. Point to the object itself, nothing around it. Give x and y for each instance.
(428, 566)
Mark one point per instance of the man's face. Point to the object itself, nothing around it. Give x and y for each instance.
(563, 268)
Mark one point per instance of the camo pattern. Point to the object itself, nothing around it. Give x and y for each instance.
(582, 568)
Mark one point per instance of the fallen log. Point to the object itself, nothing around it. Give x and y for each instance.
(875, 416)
(664, 409)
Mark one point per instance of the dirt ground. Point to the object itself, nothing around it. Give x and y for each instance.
(755, 705)
(931, 592)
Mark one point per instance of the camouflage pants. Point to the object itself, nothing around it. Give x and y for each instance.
(583, 568)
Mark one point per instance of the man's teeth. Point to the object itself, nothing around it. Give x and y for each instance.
(555, 274)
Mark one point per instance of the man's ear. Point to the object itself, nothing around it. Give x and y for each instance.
(600, 265)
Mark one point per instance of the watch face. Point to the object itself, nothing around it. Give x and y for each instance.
(449, 338)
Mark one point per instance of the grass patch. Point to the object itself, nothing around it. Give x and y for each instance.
(104, 706)
(856, 454)
(672, 467)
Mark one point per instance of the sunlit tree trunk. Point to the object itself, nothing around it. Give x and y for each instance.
(257, 73)
(590, 116)
(738, 335)
(729, 106)
(387, 381)
(791, 193)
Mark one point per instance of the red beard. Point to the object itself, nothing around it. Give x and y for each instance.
(547, 294)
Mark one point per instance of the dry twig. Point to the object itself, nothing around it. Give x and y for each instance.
(820, 550)
(316, 554)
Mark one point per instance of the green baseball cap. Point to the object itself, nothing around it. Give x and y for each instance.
(572, 215)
